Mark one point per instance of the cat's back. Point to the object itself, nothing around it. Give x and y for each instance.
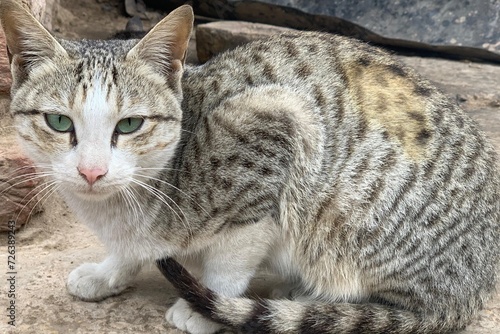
(306, 61)
(386, 129)
(353, 85)
(334, 71)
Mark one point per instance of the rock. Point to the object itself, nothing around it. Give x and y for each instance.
(18, 192)
(5, 78)
(44, 11)
(17, 185)
(215, 37)
(368, 22)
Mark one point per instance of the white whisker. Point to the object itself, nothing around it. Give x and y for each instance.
(15, 171)
(50, 184)
(167, 197)
(126, 197)
(188, 131)
(133, 202)
(133, 194)
(53, 190)
(159, 194)
(165, 168)
(176, 188)
(30, 177)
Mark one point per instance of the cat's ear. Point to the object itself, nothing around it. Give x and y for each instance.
(165, 46)
(29, 44)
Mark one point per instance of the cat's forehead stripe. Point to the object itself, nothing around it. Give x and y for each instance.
(96, 76)
(91, 66)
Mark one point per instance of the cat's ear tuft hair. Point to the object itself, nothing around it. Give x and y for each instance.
(165, 46)
(29, 44)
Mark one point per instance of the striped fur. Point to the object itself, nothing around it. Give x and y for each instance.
(317, 156)
(285, 316)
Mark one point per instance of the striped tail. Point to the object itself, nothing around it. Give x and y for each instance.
(285, 316)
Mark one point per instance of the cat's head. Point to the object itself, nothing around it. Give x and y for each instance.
(94, 115)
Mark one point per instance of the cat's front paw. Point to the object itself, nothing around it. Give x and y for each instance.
(184, 318)
(89, 283)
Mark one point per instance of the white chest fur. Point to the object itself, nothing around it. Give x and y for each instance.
(123, 229)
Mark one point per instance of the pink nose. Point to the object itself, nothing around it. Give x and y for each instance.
(93, 174)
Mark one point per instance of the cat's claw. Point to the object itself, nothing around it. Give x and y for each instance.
(88, 283)
(184, 318)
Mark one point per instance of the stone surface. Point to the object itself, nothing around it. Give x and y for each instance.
(435, 22)
(215, 37)
(43, 10)
(18, 185)
(395, 17)
(5, 78)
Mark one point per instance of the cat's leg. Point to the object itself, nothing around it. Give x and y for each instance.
(96, 281)
(227, 268)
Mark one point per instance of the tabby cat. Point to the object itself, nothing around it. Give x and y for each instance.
(313, 155)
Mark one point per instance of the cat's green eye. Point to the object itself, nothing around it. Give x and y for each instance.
(129, 125)
(59, 123)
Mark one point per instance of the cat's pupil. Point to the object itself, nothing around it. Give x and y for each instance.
(128, 125)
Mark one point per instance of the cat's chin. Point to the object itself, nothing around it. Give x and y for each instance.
(92, 195)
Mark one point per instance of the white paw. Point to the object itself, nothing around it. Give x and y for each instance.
(181, 316)
(88, 283)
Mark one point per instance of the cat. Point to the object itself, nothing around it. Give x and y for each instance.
(313, 155)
